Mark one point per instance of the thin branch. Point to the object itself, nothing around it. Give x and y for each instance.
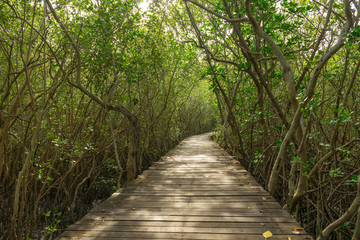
(217, 14)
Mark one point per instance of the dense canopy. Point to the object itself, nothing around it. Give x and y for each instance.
(93, 91)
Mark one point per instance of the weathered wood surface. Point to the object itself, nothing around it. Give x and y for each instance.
(196, 191)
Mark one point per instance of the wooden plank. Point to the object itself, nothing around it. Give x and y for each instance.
(195, 166)
(247, 219)
(190, 199)
(197, 173)
(193, 188)
(188, 187)
(183, 164)
(224, 170)
(232, 176)
(190, 212)
(180, 206)
(191, 160)
(207, 191)
(200, 181)
(181, 229)
(185, 224)
(195, 193)
(210, 205)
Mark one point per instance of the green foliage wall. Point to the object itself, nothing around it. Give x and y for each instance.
(63, 147)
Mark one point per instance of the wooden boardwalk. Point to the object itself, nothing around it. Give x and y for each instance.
(196, 191)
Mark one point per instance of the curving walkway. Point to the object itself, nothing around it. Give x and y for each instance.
(197, 191)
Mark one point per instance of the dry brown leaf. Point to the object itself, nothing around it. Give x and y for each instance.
(133, 209)
(298, 228)
(263, 198)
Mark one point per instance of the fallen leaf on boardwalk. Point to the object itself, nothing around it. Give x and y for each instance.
(263, 198)
(295, 232)
(133, 208)
(298, 228)
(289, 238)
(267, 234)
(262, 224)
